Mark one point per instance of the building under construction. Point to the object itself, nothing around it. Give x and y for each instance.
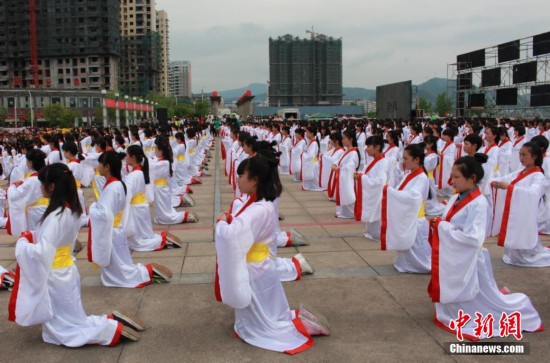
(59, 44)
(305, 71)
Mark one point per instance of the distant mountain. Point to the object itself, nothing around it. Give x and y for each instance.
(429, 90)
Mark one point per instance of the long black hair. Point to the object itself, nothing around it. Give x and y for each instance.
(55, 141)
(37, 158)
(112, 159)
(351, 135)
(64, 194)
(336, 137)
(261, 168)
(163, 144)
(313, 130)
(266, 149)
(375, 140)
(137, 152)
(71, 147)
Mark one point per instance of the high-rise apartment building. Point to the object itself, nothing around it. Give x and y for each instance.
(305, 71)
(180, 79)
(163, 31)
(64, 44)
(140, 64)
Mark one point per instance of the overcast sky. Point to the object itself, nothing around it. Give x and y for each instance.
(383, 41)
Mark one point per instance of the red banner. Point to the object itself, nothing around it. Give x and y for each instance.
(131, 106)
(121, 105)
(110, 103)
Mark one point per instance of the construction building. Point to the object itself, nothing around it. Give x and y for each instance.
(163, 31)
(140, 64)
(305, 71)
(59, 44)
(180, 79)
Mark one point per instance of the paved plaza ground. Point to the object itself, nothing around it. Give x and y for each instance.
(376, 313)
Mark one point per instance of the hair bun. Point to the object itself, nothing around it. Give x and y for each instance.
(481, 158)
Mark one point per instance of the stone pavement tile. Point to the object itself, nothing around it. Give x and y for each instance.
(301, 218)
(306, 231)
(410, 291)
(362, 244)
(167, 252)
(377, 257)
(364, 321)
(325, 245)
(190, 236)
(334, 259)
(7, 253)
(86, 268)
(199, 264)
(345, 230)
(201, 249)
(173, 263)
(193, 279)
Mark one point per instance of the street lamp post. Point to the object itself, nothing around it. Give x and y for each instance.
(141, 107)
(147, 110)
(117, 111)
(135, 111)
(32, 109)
(103, 95)
(127, 112)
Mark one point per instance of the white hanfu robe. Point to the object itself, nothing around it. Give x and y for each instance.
(296, 160)
(504, 154)
(462, 275)
(395, 173)
(138, 227)
(344, 183)
(443, 174)
(248, 281)
(284, 161)
(325, 162)
(404, 227)
(368, 195)
(76, 169)
(163, 211)
(26, 205)
(181, 169)
(309, 173)
(47, 286)
(107, 243)
(288, 268)
(544, 206)
(515, 218)
(433, 206)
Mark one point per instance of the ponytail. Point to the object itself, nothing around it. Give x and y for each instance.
(112, 159)
(138, 153)
(64, 194)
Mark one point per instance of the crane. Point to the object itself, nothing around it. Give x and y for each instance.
(312, 32)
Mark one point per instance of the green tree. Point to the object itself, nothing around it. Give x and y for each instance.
(423, 104)
(443, 104)
(3, 114)
(53, 113)
(183, 110)
(68, 117)
(201, 108)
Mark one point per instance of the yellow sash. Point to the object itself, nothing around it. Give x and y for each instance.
(316, 160)
(422, 212)
(63, 258)
(40, 202)
(96, 172)
(258, 252)
(496, 169)
(78, 185)
(181, 157)
(138, 199)
(431, 174)
(161, 182)
(118, 220)
(27, 175)
(192, 152)
(148, 149)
